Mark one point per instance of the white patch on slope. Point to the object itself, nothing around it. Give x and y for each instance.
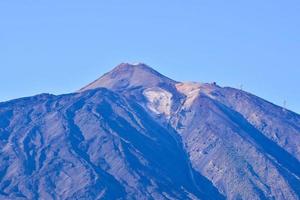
(159, 101)
(192, 90)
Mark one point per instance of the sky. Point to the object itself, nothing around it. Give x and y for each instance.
(58, 46)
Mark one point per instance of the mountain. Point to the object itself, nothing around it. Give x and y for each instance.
(136, 134)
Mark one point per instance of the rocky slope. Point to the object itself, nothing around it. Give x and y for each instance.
(136, 134)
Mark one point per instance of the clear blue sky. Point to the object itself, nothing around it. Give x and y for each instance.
(58, 46)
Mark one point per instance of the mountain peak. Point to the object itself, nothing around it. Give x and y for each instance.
(127, 75)
(132, 67)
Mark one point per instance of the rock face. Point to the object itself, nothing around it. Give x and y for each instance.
(136, 134)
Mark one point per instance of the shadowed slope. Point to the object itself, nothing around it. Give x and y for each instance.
(96, 138)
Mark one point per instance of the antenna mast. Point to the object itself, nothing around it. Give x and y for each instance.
(284, 105)
(241, 87)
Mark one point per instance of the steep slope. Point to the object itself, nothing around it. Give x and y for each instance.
(240, 161)
(136, 134)
(276, 123)
(92, 145)
(227, 146)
